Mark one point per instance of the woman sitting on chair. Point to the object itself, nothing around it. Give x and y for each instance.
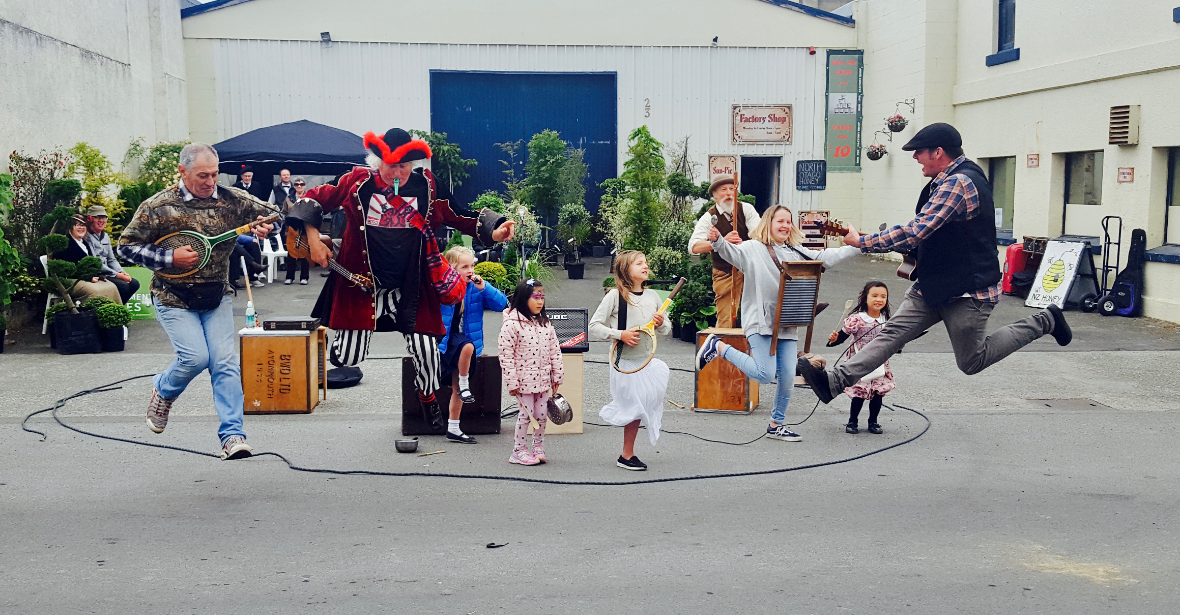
(76, 251)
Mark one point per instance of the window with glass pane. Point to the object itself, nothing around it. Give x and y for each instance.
(1083, 193)
(1006, 38)
(1172, 212)
(1002, 173)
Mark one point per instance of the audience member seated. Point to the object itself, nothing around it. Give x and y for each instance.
(100, 245)
(76, 250)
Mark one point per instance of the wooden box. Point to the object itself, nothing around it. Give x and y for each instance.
(282, 370)
(481, 417)
(722, 387)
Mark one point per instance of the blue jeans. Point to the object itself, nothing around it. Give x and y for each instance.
(760, 366)
(204, 340)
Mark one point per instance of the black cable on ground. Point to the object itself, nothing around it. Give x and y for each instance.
(111, 387)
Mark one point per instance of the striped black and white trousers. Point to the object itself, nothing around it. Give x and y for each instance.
(351, 346)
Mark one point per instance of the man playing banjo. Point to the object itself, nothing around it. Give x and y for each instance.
(196, 311)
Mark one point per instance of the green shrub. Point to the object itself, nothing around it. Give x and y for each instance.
(53, 310)
(608, 282)
(511, 257)
(455, 241)
(94, 303)
(490, 200)
(682, 187)
(3, 321)
(496, 275)
(111, 315)
(667, 263)
(63, 191)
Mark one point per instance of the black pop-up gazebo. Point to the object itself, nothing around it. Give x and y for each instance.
(304, 147)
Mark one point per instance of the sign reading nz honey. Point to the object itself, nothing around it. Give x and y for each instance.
(761, 124)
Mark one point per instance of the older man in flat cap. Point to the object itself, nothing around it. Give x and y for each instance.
(100, 246)
(957, 277)
(727, 281)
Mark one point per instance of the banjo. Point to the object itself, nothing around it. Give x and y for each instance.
(202, 244)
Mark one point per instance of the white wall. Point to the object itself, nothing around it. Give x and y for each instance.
(524, 22)
(90, 70)
(241, 85)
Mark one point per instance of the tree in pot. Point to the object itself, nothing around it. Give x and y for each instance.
(694, 309)
(573, 230)
(76, 331)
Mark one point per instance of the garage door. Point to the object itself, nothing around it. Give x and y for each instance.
(477, 110)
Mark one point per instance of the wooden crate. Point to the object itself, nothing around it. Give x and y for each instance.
(282, 370)
(722, 387)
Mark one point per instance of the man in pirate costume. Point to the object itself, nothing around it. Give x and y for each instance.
(735, 228)
(392, 214)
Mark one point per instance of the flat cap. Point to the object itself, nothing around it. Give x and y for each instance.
(719, 181)
(935, 135)
(96, 210)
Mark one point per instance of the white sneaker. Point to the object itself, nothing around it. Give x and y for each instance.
(235, 447)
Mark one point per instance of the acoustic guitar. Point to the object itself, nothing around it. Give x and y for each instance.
(908, 268)
(297, 247)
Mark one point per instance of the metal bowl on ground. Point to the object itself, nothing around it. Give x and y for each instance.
(409, 445)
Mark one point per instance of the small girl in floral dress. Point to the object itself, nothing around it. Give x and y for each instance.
(865, 323)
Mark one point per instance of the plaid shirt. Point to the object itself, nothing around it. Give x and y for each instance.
(953, 199)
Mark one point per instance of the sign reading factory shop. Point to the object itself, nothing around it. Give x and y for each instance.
(761, 124)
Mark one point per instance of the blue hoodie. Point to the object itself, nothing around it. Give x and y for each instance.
(474, 303)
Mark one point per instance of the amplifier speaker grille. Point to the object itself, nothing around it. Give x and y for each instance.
(571, 325)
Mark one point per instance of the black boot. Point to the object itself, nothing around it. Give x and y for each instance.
(432, 414)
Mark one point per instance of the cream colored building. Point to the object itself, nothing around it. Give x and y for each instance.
(90, 70)
(1076, 61)
(1050, 96)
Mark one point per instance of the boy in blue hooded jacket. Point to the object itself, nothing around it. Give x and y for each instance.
(458, 347)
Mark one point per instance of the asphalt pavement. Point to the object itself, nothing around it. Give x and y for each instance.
(1043, 485)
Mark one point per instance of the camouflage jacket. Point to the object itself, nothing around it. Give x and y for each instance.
(174, 209)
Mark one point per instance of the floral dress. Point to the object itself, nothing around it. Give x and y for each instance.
(862, 329)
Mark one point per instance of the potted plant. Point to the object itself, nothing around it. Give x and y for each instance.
(76, 330)
(608, 283)
(896, 122)
(112, 317)
(573, 229)
(876, 152)
(694, 310)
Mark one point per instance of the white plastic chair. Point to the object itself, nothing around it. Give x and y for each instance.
(270, 257)
(50, 298)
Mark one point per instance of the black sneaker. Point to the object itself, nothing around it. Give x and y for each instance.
(851, 428)
(466, 396)
(708, 351)
(816, 378)
(875, 428)
(1061, 331)
(780, 432)
(461, 438)
(433, 416)
(631, 464)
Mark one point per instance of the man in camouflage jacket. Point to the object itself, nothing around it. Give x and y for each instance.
(196, 311)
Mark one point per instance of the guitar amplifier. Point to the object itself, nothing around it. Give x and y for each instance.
(481, 417)
(571, 325)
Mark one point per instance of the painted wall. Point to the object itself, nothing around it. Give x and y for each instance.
(239, 85)
(91, 70)
(524, 22)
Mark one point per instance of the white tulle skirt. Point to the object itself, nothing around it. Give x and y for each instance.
(638, 396)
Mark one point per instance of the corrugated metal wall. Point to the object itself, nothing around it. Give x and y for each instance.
(675, 91)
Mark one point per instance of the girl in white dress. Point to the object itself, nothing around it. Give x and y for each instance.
(638, 398)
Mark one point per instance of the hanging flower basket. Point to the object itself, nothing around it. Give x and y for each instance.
(896, 123)
(876, 152)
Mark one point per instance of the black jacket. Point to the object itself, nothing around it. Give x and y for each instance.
(257, 189)
(282, 193)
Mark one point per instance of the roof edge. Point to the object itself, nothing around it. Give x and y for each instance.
(208, 6)
(814, 12)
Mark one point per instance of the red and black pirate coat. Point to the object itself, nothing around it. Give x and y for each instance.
(406, 258)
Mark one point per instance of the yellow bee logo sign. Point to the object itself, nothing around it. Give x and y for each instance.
(1054, 276)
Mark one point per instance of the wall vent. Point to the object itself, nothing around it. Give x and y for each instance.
(1124, 125)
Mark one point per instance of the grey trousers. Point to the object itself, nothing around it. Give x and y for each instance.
(966, 322)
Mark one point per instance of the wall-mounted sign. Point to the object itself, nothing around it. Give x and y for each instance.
(1033, 161)
(722, 165)
(811, 175)
(761, 124)
(1126, 175)
(843, 121)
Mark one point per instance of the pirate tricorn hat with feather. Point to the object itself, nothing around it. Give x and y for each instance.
(397, 146)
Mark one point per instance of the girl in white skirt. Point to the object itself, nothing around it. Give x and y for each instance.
(638, 398)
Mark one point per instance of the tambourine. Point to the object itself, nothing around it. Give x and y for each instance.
(559, 409)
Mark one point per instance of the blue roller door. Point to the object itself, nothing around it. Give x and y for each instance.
(477, 110)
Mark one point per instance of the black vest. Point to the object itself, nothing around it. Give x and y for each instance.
(725, 227)
(959, 257)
